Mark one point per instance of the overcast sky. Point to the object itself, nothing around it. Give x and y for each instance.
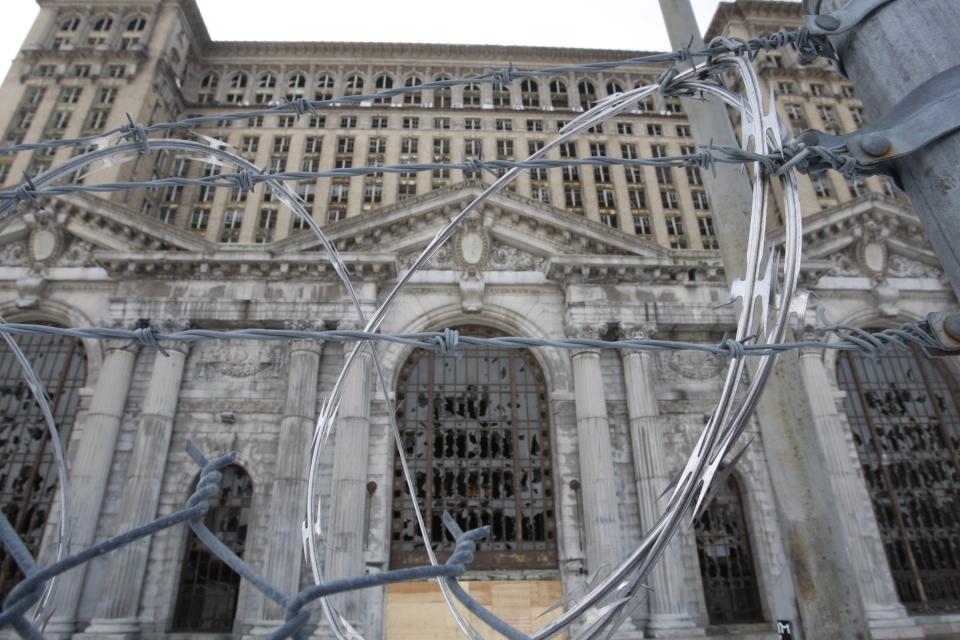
(618, 24)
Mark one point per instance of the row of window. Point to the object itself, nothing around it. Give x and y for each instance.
(100, 31)
(267, 88)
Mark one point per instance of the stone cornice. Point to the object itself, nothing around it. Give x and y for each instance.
(698, 268)
(247, 261)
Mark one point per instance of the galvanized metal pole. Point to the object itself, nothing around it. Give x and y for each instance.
(890, 53)
(827, 595)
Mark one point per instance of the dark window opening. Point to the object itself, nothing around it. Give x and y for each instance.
(726, 560)
(207, 598)
(28, 474)
(903, 410)
(477, 440)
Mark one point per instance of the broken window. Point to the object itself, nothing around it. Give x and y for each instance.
(477, 440)
(903, 410)
(28, 479)
(726, 561)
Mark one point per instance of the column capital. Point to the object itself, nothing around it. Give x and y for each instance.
(585, 331)
(314, 345)
(638, 330)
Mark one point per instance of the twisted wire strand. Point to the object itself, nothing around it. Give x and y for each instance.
(847, 338)
(812, 159)
(36, 582)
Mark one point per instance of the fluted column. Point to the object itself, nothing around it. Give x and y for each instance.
(345, 534)
(285, 552)
(120, 599)
(598, 485)
(89, 472)
(864, 546)
(667, 598)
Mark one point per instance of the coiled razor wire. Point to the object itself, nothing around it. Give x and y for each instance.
(767, 148)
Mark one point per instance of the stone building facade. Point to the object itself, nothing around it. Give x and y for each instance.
(568, 451)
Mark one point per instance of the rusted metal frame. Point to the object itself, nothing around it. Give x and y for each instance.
(887, 479)
(428, 483)
(941, 419)
(515, 437)
(37, 459)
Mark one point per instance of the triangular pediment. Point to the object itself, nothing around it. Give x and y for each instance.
(873, 237)
(519, 231)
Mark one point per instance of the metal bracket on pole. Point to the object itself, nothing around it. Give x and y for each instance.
(945, 328)
(841, 21)
(927, 113)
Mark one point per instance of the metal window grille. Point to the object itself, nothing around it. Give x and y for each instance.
(477, 438)
(726, 561)
(28, 476)
(207, 597)
(903, 410)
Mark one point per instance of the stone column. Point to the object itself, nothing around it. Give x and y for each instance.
(288, 498)
(886, 616)
(668, 614)
(348, 490)
(117, 615)
(89, 472)
(598, 485)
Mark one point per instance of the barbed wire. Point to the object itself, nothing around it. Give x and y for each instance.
(803, 158)
(29, 591)
(808, 45)
(849, 338)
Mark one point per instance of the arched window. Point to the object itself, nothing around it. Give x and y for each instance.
(558, 95)
(530, 93)
(295, 86)
(70, 24)
(28, 476)
(588, 93)
(726, 561)
(614, 87)
(237, 90)
(443, 96)
(471, 95)
(383, 83)
(65, 33)
(324, 87)
(138, 23)
(477, 439)
(207, 598)
(412, 97)
(265, 86)
(99, 31)
(209, 81)
(903, 410)
(132, 32)
(353, 85)
(501, 95)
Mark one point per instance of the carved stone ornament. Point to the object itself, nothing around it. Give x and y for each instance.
(696, 365)
(843, 265)
(14, 254)
(30, 290)
(472, 286)
(504, 257)
(442, 259)
(472, 245)
(902, 267)
(872, 256)
(45, 244)
(240, 360)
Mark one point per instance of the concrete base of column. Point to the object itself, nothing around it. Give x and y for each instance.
(892, 621)
(59, 629)
(262, 629)
(113, 628)
(673, 625)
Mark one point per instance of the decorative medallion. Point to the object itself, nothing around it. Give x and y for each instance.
(44, 244)
(872, 256)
